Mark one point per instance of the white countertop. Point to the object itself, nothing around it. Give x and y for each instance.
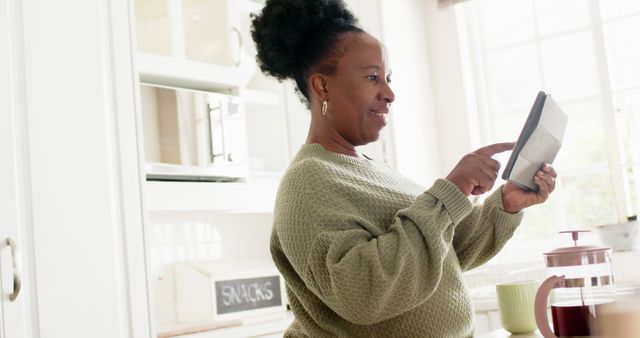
(501, 333)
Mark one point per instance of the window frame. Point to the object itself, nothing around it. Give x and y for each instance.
(453, 76)
(476, 50)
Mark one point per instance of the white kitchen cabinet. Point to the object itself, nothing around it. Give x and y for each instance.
(14, 244)
(69, 176)
(210, 49)
(206, 45)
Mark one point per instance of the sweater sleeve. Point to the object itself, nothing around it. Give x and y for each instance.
(364, 276)
(483, 233)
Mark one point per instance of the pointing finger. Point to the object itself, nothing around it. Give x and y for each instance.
(495, 148)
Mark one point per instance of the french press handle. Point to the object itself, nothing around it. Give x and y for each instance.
(542, 320)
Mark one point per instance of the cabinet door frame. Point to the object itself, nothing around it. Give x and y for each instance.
(73, 147)
(14, 217)
(130, 149)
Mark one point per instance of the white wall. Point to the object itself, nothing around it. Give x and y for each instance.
(458, 133)
(413, 114)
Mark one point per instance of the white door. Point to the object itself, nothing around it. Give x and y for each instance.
(83, 176)
(69, 177)
(13, 315)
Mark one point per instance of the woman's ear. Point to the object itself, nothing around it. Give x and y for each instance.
(318, 84)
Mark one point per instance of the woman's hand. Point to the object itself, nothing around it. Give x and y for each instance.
(477, 172)
(515, 199)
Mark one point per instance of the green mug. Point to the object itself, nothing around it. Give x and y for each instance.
(516, 305)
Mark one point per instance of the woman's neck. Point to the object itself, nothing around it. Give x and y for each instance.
(331, 141)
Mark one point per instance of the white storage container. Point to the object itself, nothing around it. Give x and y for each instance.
(229, 289)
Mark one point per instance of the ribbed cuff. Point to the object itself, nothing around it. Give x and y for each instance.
(503, 219)
(456, 203)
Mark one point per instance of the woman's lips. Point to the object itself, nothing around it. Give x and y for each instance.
(380, 116)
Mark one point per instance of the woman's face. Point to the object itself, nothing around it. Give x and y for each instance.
(359, 95)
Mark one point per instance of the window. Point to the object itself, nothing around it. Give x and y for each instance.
(586, 54)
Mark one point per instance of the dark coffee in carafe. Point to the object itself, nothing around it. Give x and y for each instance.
(576, 320)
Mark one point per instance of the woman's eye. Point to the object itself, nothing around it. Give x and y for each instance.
(388, 79)
(373, 78)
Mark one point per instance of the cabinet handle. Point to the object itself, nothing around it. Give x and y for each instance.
(237, 61)
(17, 280)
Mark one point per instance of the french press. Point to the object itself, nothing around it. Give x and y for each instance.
(580, 283)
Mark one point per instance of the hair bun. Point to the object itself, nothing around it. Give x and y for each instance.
(284, 28)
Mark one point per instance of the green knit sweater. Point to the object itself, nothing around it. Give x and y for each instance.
(367, 253)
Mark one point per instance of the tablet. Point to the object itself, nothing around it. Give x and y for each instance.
(539, 142)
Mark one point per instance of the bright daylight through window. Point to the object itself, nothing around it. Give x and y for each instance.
(586, 54)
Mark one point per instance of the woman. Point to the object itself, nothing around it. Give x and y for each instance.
(364, 251)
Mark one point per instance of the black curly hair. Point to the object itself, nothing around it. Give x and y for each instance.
(295, 37)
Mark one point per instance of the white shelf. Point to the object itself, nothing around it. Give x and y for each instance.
(176, 72)
(259, 97)
(269, 325)
(256, 195)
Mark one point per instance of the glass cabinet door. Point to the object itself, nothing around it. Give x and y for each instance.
(153, 27)
(211, 32)
(197, 30)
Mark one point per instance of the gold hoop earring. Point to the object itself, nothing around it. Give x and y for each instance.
(324, 107)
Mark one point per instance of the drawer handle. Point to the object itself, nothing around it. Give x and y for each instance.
(17, 280)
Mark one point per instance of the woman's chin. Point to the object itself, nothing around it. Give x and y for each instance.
(372, 137)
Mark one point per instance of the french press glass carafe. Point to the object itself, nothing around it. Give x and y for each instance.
(580, 282)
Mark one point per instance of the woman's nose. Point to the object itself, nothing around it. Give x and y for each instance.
(387, 94)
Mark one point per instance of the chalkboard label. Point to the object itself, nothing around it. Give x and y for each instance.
(237, 295)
